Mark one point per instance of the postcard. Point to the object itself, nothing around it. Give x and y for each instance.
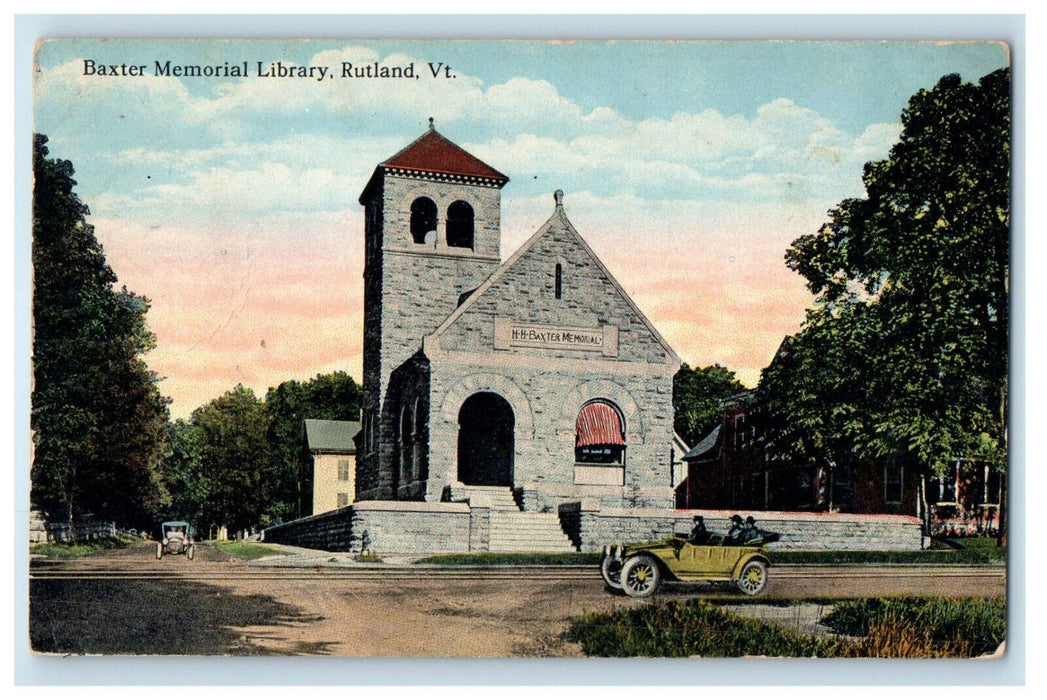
(406, 348)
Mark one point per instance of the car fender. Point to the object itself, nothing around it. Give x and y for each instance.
(757, 556)
(663, 567)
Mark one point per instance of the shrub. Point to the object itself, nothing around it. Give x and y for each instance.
(895, 628)
(695, 628)
(967, 626)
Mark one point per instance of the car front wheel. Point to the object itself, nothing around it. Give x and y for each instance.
(640, 576)
(611, 570)
(753, 578)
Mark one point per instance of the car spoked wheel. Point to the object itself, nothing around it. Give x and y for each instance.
(753, 578)
(611, 570)
(640, 576)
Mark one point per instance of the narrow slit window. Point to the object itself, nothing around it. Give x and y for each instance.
(559, 281)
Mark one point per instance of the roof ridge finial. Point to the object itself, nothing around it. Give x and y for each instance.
(432, 127)
(558, 198)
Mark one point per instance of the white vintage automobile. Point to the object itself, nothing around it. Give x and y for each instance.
(176, 538)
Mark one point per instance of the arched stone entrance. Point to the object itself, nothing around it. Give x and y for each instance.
(486, 442)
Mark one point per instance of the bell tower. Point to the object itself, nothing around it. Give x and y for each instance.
(432, 234)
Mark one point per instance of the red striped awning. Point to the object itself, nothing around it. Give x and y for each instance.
(598, 424)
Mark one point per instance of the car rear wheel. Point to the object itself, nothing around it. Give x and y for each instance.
(753, 578)
(611, 570)
(640, 576)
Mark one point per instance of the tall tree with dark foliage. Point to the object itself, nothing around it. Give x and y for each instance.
(697, 397)
(904, 354)
(98, 418)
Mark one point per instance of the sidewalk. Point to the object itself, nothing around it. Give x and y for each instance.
(300, 557)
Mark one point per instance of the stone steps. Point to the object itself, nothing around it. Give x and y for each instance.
(493, 497)
(527, 532)
(513, 530)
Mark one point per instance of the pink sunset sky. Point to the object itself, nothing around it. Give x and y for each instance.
(231, 201)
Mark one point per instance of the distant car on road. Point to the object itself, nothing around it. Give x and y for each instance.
(638, 569)
(176, 538)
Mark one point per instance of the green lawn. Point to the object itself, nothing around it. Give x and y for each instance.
(80, 549)
(247, 550)
(514, 559)
(976, 554)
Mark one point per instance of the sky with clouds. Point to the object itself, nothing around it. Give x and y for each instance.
(689, 167)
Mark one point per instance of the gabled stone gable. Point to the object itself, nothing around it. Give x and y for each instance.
(593, 312)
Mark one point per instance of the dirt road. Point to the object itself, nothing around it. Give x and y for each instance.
(126, 602)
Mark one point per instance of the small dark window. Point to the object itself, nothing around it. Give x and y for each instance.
(406, 443)
(559, 281)
(423, 218)
(893, 484)
(460, 225)
(992, 486)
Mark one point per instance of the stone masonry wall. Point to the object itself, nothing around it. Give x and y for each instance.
(547, 388)
(590, 527)
(410, 288)
(391, 527)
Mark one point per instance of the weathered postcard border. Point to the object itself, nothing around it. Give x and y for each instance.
(39, 670)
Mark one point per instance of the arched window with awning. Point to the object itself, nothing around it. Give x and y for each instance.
(599, 434)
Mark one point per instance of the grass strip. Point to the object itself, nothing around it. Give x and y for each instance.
(73, 550)
(926, 556)
(248, 550)
(930, 556)
(514, 559)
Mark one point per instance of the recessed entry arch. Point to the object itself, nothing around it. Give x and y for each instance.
(505, 387)
(486, 441)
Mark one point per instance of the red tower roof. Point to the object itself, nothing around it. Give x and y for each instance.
(432, 153)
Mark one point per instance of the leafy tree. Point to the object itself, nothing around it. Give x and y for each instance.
(697, 394)
(189, 484)
(97, 415)
(904, 354)
(234, 459)
(334, 396)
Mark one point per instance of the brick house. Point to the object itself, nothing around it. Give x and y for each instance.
(730, 469)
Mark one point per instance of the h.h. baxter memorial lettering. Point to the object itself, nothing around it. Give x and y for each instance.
(510, 334)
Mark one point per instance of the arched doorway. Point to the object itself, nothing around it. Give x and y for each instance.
(485, 441)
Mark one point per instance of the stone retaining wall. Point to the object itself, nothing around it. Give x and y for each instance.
(408, 527)
(591, 526)
(394, 527)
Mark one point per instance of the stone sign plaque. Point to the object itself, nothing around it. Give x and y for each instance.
(511, 334)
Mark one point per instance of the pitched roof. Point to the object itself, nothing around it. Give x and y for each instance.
(705, 450)
(432, 153)
(558, 220)
(331, 435)
(434, 156)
